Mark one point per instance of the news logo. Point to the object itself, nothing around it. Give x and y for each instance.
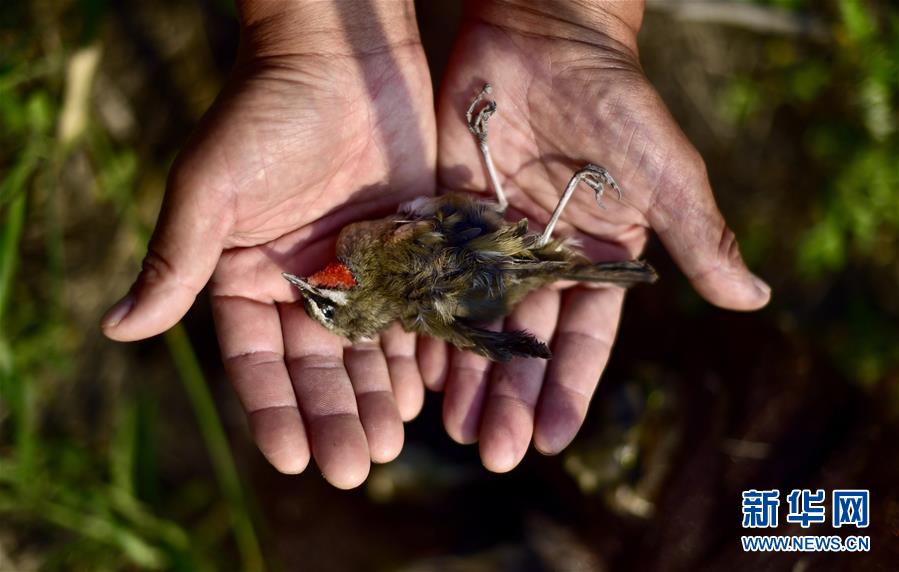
(807, 508)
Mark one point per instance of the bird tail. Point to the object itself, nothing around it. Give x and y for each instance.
(619, 273)
(499, 346)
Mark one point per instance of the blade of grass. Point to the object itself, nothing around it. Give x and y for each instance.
(9, 257)
(191, 374)
(217, 446)
(16, 178)
(96, 526)
(194, 381)
(192, 378)
(9, 249)
(123, 449)
(145, 521)
(20, 395)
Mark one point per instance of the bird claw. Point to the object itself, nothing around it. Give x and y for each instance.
(596, 178)
(477, 124)
(593, 176)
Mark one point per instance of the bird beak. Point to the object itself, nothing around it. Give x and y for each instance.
(304, 286)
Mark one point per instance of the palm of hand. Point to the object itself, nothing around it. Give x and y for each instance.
(299, 157)
(292, 143)
(562, 105)
(295, 149)
(349, 154)
(291, 152)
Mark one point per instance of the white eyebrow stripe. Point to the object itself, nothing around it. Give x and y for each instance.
(339, 297)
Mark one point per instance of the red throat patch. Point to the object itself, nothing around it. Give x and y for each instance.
(334, 275)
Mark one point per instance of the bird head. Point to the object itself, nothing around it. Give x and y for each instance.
(328, 295)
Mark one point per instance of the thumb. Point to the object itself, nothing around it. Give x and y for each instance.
(684, 215)
(183, 252)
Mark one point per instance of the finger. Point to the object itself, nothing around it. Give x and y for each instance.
(583, 340)
(508, 422)
(182, 254)
(408, 388)
(326, 399)
(691, 227)
(433, 362)
(252, 348)
(367, 367)
(463, 402)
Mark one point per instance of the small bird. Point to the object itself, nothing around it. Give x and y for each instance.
(444, 266)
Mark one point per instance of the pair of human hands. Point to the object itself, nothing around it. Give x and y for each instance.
(329, 118)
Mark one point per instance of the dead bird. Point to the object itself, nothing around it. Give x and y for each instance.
(444, 266)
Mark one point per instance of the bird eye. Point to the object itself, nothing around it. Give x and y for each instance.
(327, 311)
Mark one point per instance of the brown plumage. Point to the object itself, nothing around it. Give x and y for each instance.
(445, 266)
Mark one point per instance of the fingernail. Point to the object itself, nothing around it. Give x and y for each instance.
(117, 313)
(761, 285)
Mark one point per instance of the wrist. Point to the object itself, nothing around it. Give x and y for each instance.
(325, 27)
(610, 24)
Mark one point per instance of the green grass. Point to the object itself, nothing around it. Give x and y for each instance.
(217, 446)
(96, 503)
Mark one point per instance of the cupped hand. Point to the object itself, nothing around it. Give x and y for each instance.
(569, 94)
(301, 141)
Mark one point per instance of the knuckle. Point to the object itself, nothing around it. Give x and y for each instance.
(156, 267)
(689, 174)
(694, 164)
(515, 401)
(728, 248)
(725, 257)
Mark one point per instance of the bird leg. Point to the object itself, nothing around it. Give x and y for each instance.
(596, 178)
(477, 124)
